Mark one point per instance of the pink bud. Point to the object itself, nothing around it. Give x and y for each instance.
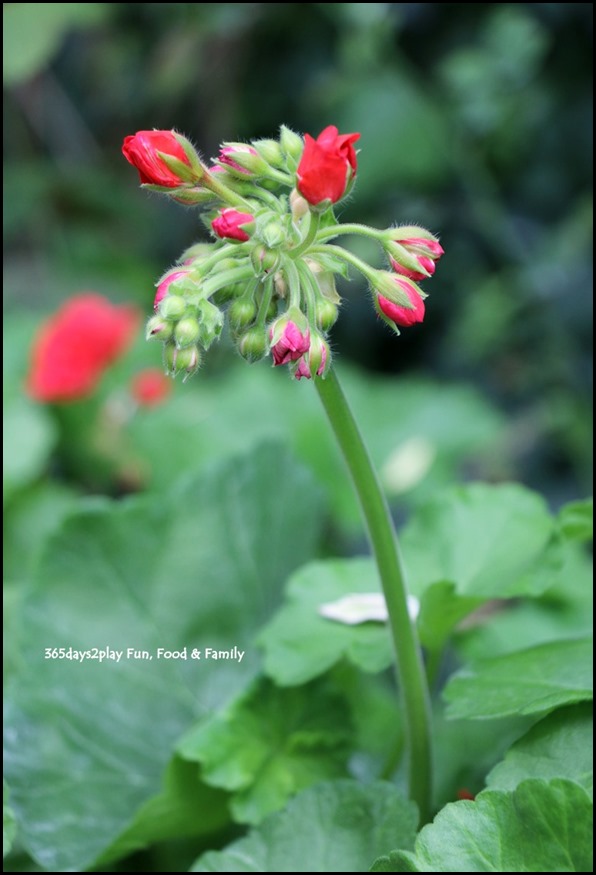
(291, 345)
(423, 260)
(303, 369)
(226, 156)
(433, 247)
(402, 315)
(229, 224)
(162, 289)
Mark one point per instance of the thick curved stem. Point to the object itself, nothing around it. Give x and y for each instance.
(383, 539)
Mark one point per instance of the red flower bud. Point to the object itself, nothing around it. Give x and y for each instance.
(229, 224)
(162, 289)
(402, 315)
(427, 247)
(141, 151)
(76, 345)
(327, 165)
(425, 262)
(304, 365)
(226, 156)
(291, 344)
(150, 387)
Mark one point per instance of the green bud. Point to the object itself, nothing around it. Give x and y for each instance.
(172, 307)
(177, 360)
(264, 259)
(252, 346)
(291, 144)
(242, 313)
(326, 314)
(158, 329)
(187, 331)
(273, 234)
(270, 151)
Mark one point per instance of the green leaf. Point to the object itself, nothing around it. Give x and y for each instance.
(576, 520)
(202, 568)
(186, 807)
(270, 743)
(300, 644)
(539, 827)
(335, 826)
(470, 544)
(9, 828)
(559, 746)
(565, 610)
(481, 538)
(524, 682)
(29, 437)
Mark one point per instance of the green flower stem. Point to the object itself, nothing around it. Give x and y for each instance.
(328, 249)
(311, 234)
(381, 532)
(293, 278)
(264, 304)
(349, 228)
(204, 266)
(226, 194)
(226, 278)
(309, 288)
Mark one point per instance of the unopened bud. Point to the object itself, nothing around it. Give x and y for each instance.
(177, 360)
(172, 307)
(242, 313)
(187, 331)
(253, 345)
(158, 329)
(264, 259)
(273, 234)
(270, 150)
(326, 314)
(298, 205)
(291, 144)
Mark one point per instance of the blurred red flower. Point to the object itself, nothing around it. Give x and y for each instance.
(76, 345)
(150, 387)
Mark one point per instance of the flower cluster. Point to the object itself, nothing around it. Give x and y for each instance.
(270, 267)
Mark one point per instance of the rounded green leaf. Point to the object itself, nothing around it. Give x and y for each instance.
(337, 826)
(539, 827)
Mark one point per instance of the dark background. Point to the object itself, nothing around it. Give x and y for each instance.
(476, 122)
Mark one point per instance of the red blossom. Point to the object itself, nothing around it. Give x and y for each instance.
(423, 260)
(290, 346)
(403, 315)
(76, 345)
(229, 224)
(141, 151)
(150, 387)
(327, 165)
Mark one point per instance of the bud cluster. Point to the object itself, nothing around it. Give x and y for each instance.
(270, 266)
